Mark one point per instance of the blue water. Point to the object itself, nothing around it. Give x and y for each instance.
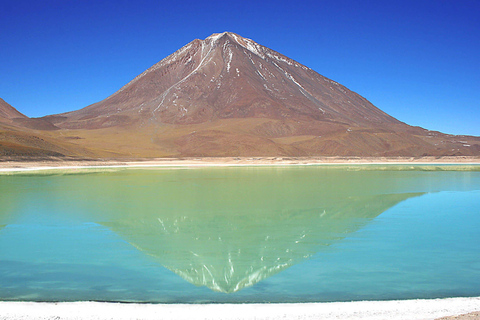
(241, 234)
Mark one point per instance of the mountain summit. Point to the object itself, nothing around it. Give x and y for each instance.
(230, 96)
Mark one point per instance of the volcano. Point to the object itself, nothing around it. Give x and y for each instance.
(230, 96)
(226, 76)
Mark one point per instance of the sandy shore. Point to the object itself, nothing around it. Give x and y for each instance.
(12, 165)
(393, 310)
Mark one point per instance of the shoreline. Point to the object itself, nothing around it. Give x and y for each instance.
(15, 165)
(393, 310)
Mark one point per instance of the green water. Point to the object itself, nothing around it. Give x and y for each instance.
(272, 234)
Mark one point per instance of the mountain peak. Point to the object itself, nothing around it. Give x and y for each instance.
(246, 43)
(216, 36)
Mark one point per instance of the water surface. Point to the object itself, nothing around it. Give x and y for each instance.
(273, 234)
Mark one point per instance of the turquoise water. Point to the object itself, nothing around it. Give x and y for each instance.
(241, 234)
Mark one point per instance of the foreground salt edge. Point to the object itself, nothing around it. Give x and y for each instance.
(31, 166)
(396, 309)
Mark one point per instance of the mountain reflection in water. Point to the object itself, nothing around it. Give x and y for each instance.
(223, 228)
(228, 251)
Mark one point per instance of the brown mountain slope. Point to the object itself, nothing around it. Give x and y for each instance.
(10, 115)
(23, 137)
(229, 96)
(7, 112)
(21, 143)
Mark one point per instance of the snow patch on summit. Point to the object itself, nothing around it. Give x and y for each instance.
(257, 49)
(214, 37)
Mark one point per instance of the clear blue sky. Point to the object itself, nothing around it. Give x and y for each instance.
(417, 60)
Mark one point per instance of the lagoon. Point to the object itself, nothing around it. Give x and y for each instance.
(241, 234)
